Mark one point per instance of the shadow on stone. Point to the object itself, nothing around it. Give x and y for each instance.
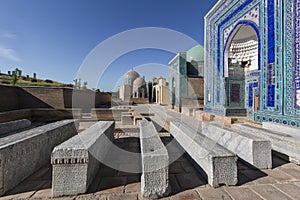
(279, 159)
(248, 173)
(109, 180)
(159, 128)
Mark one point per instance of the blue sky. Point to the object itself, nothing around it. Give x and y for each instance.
(53, 37)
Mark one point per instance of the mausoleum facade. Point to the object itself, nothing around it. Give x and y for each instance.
(133, 87)
(252, 65)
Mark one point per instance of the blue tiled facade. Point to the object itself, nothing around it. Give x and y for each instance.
(276, 83)
(297, 52)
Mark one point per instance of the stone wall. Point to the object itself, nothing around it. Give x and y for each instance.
(16, 98)
(40, 114)
(41, 97)
(9, 98)
(85, 99)
(15, 115)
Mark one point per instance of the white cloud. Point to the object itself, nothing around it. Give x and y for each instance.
(8, 35)
(9, 54)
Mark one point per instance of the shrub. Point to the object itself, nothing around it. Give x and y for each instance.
(14, 78)
(33, 80)
(67, 85)
(5, 82)
(48, 81)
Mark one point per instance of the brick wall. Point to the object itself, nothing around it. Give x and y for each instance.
(9, 98)
(15, 98)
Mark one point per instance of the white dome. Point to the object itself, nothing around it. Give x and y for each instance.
(139, 82)
(130, 76)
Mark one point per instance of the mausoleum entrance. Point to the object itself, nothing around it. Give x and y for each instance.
(240, 59)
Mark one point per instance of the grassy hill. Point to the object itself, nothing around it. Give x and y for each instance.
(22, 81)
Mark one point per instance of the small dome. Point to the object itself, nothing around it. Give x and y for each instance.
(196, 53)
(139, 82)
(130, 76)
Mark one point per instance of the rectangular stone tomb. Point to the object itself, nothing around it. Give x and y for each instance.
(155, 163)
(23, 153)
(218, 163)
(127, 120)
(126, 113)
(287, 143)
(76, 161)
(254, 149)
(292, 131)
(137, 119)
(105, 114)
(7, 127)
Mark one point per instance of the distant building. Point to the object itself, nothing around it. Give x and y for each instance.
(186, 82)
(253, 60)
(125, 90)
(161, 91)
(139, 88)
(151, 89)
(133, 87)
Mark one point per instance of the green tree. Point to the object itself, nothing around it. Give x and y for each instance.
(84, 85)
(15, 77)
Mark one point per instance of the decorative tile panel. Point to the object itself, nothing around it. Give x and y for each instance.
(252, 16)
(297, 55)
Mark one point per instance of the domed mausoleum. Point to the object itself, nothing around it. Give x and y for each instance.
(133, 87)
(130, 77)
(139, 88)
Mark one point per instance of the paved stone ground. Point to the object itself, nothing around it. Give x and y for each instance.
(282, 182)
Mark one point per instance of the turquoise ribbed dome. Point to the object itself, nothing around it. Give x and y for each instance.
(196, 53)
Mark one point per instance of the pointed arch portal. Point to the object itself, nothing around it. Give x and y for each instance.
(241, 56)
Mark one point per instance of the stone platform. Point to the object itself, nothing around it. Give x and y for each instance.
(282, 182)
